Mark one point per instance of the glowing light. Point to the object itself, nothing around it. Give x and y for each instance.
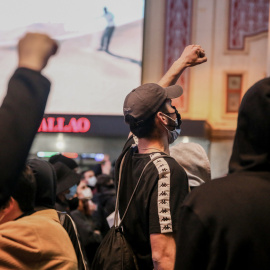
(99, 157)
(70, 155)
(46, 154)
(60, 145)
(185, 139)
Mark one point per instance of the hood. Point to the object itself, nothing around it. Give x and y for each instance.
(251, 148)
(46, 182)
(193, 158)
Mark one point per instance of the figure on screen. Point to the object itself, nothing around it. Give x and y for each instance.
(107, 34)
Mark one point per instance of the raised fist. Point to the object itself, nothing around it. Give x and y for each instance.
(34, 50)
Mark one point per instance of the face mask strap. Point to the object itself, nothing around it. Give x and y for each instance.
(178, 117)
(174, 120)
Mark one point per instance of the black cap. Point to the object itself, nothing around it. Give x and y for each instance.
(146, 99)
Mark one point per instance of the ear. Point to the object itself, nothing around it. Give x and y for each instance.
(9, 206)
(7, 212)
(162, 118)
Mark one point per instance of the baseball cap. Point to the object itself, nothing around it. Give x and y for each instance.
(145, 100)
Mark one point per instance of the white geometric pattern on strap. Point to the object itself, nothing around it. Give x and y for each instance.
(163, 199)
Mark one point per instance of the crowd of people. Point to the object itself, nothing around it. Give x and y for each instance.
(54, 216)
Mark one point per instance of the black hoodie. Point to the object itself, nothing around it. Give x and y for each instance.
(45, 175)
(225, 224)
(251, 150)
(46, 182)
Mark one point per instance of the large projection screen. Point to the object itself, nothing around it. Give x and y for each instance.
(85, 80)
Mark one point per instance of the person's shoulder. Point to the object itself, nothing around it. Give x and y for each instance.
(174, 165)
(130, 143)
(165, 165)
(46, 213)
(210, 194)
(19, 241)
(21, 230)
(163, 159)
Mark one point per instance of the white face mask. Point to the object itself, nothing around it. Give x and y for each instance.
(92, 181)
(87, 194)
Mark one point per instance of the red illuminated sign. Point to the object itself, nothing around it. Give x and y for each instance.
(59, 124)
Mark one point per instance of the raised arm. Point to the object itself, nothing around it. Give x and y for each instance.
(23, 107)
(192, 55)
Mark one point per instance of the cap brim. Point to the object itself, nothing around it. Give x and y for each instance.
(174, 91)
(67, 181)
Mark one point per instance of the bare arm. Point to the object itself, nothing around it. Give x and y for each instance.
(163, 251)
(192, 55)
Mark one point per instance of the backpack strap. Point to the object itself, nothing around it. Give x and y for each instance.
(72, 232)
(132, 195)
(62, 217)
(115, 222)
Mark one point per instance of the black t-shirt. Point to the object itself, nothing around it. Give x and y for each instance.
(156, 203)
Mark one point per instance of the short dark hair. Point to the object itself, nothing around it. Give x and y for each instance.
(147, 127)
(24, 191)
(141, 130)
(84, 171)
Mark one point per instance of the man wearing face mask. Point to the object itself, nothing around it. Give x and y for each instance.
(151, 221)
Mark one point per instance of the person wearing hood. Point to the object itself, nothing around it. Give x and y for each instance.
(29, 239)
(224, 224)
(46, 186)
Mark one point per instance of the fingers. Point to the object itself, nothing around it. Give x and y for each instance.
(199, 50)
(193, 55)
(201, 60)
(35, 49)
(201, 53)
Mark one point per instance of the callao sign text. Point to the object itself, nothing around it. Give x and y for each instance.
(65, 124)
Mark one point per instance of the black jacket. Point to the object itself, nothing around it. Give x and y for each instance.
(20, 116)
(225, 223)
